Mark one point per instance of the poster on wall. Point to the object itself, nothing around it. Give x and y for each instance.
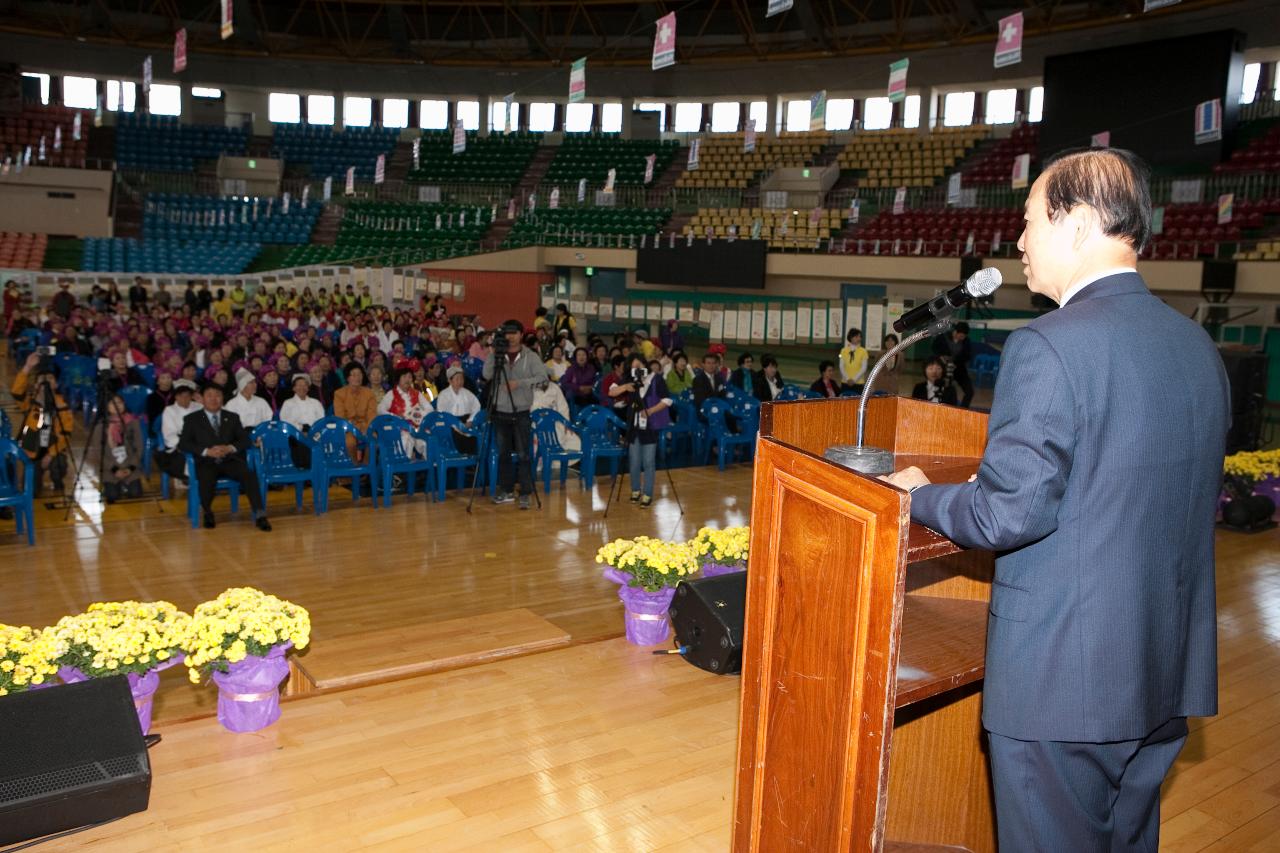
(789, 325)
(873, 334)
(744, 324)
(604, 310)
(757, 324)
(575, 305)
(853, 317)
(804, 323)
(773, 324)
(729, 326)
(653, 311)
(715, 325)
(819, 333)
(590, 308)
(687, 313)
(835, 324)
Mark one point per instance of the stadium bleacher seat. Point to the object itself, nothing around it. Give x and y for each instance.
(943, 231)
(1260, 154)
(581, 156)
(329, 152)
(584, 225)
(901, 157)
(36, 122)
(114, 254)
(781, 228)
(500, 160)
(164, 144)
(22, 251)
(170, 216)
(723, 163)
(996, 165)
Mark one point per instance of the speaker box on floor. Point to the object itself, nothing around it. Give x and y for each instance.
(1247, 375)
(707, 615)
(70, 756)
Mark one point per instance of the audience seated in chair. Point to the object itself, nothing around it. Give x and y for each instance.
(355, 403)
(826, 384)
(123, 446)
(768, 381)
(935, 388)
(579, 379)
(248, 406)
(709, 382)
(300, 411)
(218, 444)
(169, 458)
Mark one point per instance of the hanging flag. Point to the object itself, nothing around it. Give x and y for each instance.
(380, 169)
(756, 225)
(608, 181)
(306, 193)
(733, 233)
(1021, 171)
(511, 208)
(75, 127)
(898, 80)
(855, 211)
(664, 42)
(244, 212)
(508, 120)
(493, 212)
(1157, 221)
(900, 201)
(459, 137)
(1100, 140)
(578, 80)
(227, 27)
(953, 189)
(351, 180)
(554, 202)
(533, 204)
(784, 227)
(749, 136)
(417, 153)
(146, 76)
(1152, 5)
(222, 218)
(815, 216)
(648, 167)
(284, 205)
(688, 239)
(41, 153)
(1009, 42)
(1225, 203)
(995, 242)
(1209, 121)
(582, 190)
(818, 110)
(270, 204)
(919, 249)
(694, 145)
(180, 51)
(255, 208)
(439, 219)
(57, 138)
(4, 168)
(328, 188)
(968, 244)
(644, 241)
(777, 7)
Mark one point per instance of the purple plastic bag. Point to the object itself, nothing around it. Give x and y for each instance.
(249, 691)
(646, 614)
(710, 570)
(143, 687)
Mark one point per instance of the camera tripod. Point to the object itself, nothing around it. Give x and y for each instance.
(98, 427)
(633, 411)
(497, 383)
(41, 399)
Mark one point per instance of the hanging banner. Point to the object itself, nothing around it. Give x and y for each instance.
(1157, 221)
(459, 137)
(694, 145)
(180, 51)
(968, 244)
(75, 127)
(40, 154)
(1021, 171)
(898, 80)
(664, 42)
(818, 110)
(1225, 203)
(953, 189)
(648, 168)
(306, 194)
(749, 136)
(582, 190)
(855, 210)
(1009, 44)
(554, 202)
(380, 169)
(815, 216)
(511, 209)
(533, 205)
(1209, 121)
(417, 153)
(328, 188)
(777, 7)
(284, 204)
(227, 27)
(1100, 140)
(146, 76)
(57, 138)
(995, 242)
(508, 120)
(608, 181)
(900, 201)
(351, 180)
(578, 80)
(756, 225)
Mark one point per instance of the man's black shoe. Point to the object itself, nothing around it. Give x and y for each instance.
(209, 523)
(263, 524)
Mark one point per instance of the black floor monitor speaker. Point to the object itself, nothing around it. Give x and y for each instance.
(72, 755)
(1247, 374)
(707, 615)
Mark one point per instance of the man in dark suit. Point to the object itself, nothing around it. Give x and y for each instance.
(708, 382)
(1098, 489)
(218, 442)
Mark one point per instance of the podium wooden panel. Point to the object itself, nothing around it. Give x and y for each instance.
(865, 638)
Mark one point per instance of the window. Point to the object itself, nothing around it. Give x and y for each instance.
(395, 112)
(433, 115)
(320, 109)
(688, 117)
(469, 112)
(577, 117)
(284, 108)
(165, 100)
(724, 116)
(798, 115)
(542, 117)
(121, 96)
(1002, 106)
(1035, 104)
(1249, 89)
(44, 84)
(911, 111)
(611, 117)
(205, 92)
(498, 112)
(80, 92)
(839, 114)
(957, 109)
(357, 112)
(660, 109)
(877, 113)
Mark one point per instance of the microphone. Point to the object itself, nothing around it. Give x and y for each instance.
(982, 283)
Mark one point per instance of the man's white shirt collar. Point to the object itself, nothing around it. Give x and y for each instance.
(1081, 285)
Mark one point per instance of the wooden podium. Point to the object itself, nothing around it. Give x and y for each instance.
(865, 636)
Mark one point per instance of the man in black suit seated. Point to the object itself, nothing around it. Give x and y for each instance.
(219, 443)
(708, 382)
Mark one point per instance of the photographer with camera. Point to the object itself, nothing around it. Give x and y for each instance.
(46, 427)
(518, 369)
(647, 402)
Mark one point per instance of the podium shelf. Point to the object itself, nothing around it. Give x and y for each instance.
(944, 643)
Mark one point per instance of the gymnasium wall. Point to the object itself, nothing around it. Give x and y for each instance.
(58, 202)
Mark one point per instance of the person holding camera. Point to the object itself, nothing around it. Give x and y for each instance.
(647, 401)
(46, 429)
(510, 403)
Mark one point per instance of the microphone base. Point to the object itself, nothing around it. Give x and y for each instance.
(864, 460)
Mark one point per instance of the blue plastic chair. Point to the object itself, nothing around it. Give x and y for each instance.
(135, 398)
(391, 459)
(18, 491)
(726, 442)
(148, 374)
(28, 340)
(330, 437)
(439, 428)
(684, 428)
(549, 449)
(986, 367)
(602, 432)
(271, 458)
(231, 487)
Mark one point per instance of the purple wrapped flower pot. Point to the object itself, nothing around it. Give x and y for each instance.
(249, 691)
(646, 614)
(143, 687)
(710, 570)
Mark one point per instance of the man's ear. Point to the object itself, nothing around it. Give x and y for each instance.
(1084, 222)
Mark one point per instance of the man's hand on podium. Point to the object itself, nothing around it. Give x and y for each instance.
(908, 479)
